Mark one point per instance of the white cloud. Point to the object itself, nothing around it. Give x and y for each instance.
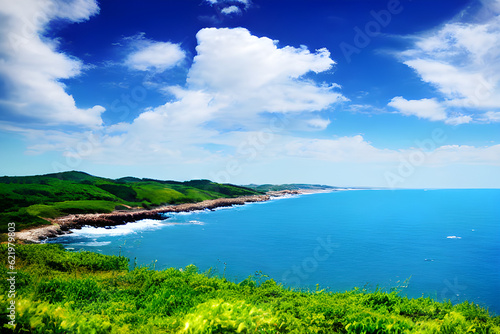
(345, 149)
(429, 109)
(458, 119)
(426, 108)
(491, 116)
(157, 56)
(234, 80)
(252, 75)
(32, 67)
(318, 123)
(232, 3)
(465, 154)
(448, 79)
(171, 132)
(76, 10)
(237, 80)
(460, 59)
(355, 149)
(168, 143)
(231, 10)
(490, 8)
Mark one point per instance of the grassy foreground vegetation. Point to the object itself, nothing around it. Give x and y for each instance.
(83, 292)
(30, 200)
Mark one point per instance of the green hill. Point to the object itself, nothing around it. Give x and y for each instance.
(30, 200)
(291, 186)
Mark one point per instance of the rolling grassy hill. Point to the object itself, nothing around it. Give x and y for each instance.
(30, 200)
(291, 186)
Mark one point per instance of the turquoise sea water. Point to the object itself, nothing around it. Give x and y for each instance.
(447, 242)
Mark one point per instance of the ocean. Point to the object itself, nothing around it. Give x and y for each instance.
(443, 244)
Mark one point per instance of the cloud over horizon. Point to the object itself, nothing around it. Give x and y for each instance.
(229, 94)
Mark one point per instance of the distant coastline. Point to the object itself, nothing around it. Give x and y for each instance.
(63, 225)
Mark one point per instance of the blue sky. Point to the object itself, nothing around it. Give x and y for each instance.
(397, 94)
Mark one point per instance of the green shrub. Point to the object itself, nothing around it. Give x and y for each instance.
(218, 316)
(124, 192)
(53, 257)
(43, 317)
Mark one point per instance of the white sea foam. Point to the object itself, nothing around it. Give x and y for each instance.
(191, 222)
(121, 230)
(188, 213)
(92, 243)
(226, 207)
(129, 228)
(196, 222)
(182, 213)
(453, 237)
(286, 196)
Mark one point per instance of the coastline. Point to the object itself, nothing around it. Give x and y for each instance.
(63, 225)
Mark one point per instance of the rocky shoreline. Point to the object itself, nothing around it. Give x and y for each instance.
(63, 225)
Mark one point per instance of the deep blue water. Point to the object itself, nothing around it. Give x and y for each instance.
(446, 242)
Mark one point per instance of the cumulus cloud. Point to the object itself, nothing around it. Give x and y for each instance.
(231, 10)
(426, 108)
(124, 145)
(152, 55)
(33, 68)
(430, 109)
(458, 119)
(491, 116)
(236, 78)
(345, 149)
(465, 154)
(460, 59)
(253, 75)
(75, 11)
(318, 123)
(243, 2)
(236, 81)
(356, 149)
(230, 7)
